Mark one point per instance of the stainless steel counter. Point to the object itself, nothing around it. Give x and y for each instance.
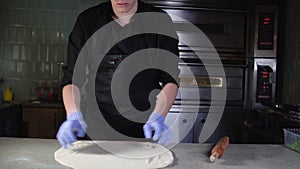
(21, 153)
(43, 104)
(4, 105)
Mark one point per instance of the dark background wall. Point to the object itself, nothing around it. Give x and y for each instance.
(289, 53)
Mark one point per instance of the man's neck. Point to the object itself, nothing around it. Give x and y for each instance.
(123, 20)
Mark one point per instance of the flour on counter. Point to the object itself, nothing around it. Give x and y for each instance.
(126, 155)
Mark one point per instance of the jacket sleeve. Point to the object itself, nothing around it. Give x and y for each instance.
(169, 43)
(75, 44)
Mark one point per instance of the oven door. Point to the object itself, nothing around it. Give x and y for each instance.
(226, 34)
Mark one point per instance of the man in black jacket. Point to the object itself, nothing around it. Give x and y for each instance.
(121, 13)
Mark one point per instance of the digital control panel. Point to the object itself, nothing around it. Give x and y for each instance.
(264, 83)
(265, 31)
(265, 56)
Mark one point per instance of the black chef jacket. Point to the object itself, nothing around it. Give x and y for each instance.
(143, 83)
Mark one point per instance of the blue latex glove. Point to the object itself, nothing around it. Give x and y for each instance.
(161, 132)
(74, 123)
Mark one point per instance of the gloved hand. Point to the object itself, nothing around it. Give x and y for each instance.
(161, 132)
(74, 123)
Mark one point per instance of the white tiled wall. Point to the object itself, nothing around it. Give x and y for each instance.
(33, 41)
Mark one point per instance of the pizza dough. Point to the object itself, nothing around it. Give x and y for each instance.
(114, 155)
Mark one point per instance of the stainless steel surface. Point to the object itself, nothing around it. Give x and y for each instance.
(233, 31)
(39, 154)
(181, 126)
(264, 56)
(265, 62)
(43, 104)
(223, 33)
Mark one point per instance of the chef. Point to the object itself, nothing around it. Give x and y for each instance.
(87, 23)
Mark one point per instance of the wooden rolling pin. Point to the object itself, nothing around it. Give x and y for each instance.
(219, 149)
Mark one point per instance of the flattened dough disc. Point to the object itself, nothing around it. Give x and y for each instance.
(126, 155)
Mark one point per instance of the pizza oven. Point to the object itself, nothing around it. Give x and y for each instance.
(244, 38)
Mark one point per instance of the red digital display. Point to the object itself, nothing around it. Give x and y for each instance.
(266, 31)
